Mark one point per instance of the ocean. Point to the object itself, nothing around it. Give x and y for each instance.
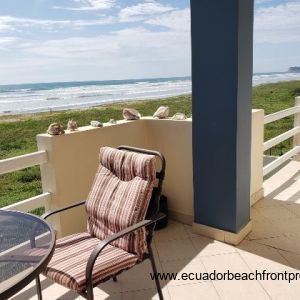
(44, 97)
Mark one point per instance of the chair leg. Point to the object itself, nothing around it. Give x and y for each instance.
(115, 278)
(38, 288)
(158, 287)
(90, 292)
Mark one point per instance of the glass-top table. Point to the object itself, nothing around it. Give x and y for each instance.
(26, 246)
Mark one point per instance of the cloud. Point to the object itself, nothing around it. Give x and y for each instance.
(140, 51)
(262, 1)
(7, 41)
(89, 5)
(130, 43)
(140, 11)
(175, 20)
(278, 24)
(149, 12)
(8, 23)
(130, 53)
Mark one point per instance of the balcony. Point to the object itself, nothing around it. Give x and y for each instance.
(68, 164)
(209, 199)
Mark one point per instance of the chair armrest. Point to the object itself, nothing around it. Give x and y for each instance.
(96, 252)
(53, 212)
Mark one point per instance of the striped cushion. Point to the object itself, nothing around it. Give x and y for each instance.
(68, 264)
(120, 196)
(128, 165)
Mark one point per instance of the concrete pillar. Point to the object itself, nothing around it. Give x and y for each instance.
(222, 51)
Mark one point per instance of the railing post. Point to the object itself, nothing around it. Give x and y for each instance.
(257, 149)
(297, 123)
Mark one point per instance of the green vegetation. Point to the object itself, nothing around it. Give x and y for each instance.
(272, 98)
(18, 133)
(18, 136)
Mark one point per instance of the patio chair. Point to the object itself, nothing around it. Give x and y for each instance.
(118, 236)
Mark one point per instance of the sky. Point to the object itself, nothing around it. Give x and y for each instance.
(78, 40)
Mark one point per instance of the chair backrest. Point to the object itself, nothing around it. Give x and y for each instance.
(120, 196)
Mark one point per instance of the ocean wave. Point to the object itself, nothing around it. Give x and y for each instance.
(274, 77)
(53, 98)
(21, 101)
(13, 90)
(85, 104)
(62, 96)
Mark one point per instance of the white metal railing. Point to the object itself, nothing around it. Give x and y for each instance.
(280, 138)
(282, 114)
(31, 203)
(280, 160)
(295, 132)
(21, 162)
(18, 163)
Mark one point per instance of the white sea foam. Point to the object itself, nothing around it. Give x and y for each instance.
(62, 96)
(274, 77)
(88, 95)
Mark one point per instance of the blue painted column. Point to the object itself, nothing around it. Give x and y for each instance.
(222, 57)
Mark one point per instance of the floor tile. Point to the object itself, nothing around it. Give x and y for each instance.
(292, 258)
(289, 227)
(290, 244)
(206, 246)
(233, 289)
(145, 295)
(273, 245)
(294, 208)
(183, 266)
(26, 293)
(175, 250)
(109, 287)
(56, 291)
(101, 297)
(203, 291)
(262, 229)
(190, 232)
(276, 212)
(281, 289)
(256, 215)
(50, 290)
(138, 278)
(174, 231)
(261, 257)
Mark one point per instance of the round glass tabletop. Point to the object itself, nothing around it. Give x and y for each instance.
(26, 246)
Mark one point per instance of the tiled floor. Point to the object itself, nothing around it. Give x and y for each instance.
(273, 245)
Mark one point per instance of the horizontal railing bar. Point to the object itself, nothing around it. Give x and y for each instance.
(30, 204)
(42, 239)
(23, 161)
(280, 160)
(280, 138)
(281, 114)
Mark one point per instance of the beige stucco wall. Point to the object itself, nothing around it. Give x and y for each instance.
(73, 160)
(174, 140)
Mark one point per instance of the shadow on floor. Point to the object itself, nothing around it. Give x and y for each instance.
(273, 245)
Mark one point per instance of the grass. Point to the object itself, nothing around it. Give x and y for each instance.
(18, 136)
(18, 133)
(272, 98)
